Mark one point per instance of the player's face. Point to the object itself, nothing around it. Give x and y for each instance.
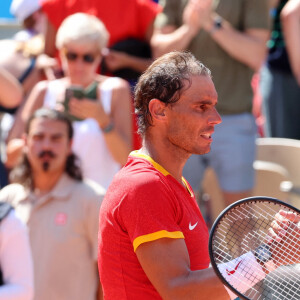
(80, 61)
(193, 117)
(47, 145)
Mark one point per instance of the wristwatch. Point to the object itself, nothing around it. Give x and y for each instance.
(263, 254)
(217, 24)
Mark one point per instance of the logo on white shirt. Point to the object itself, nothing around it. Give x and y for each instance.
(192, 227)
(60, 219)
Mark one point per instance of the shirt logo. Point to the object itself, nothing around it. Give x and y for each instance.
(60, 219)
(192, 227)
(234, 270)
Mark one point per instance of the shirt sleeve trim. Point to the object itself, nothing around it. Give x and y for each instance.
(155, 236)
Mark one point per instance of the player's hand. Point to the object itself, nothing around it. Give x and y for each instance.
(284, 238)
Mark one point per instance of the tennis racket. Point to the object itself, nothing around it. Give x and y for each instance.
(250, 263)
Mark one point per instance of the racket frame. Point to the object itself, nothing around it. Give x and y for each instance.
(218, 220)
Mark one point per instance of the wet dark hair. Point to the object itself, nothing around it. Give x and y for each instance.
(22, 173)
(165, 79)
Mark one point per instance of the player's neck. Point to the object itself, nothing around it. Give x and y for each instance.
(167, 159)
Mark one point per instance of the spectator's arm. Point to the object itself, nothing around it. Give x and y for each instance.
(50, 37)
(14, 142)
(119, 141)
(11, 92)
(290, 19)
(169, 38)
(248, 47)
(33, 102)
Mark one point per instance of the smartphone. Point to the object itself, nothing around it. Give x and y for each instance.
(78, 92)
(72, 92)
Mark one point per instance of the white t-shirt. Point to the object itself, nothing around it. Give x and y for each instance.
(15, 260)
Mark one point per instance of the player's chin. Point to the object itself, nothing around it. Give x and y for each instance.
(202, 150)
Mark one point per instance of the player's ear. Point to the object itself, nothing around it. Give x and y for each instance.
(157, 109)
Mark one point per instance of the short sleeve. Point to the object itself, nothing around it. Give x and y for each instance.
(150, 212)
(257, 14)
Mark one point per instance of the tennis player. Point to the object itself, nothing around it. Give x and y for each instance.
(153, 241)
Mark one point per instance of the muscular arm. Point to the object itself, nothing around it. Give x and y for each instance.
(166, 264)
(290, 18)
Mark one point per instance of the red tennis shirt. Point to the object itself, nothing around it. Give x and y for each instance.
(145, 203)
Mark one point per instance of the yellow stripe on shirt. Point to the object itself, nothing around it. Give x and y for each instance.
(157, 166)
(155, 236)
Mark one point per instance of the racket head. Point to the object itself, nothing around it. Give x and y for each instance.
(242, 227)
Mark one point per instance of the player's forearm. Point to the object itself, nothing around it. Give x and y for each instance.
(247, 47)
(179, 39)
(200, 285)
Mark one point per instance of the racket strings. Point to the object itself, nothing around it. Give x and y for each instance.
(263, 222)
(243, 230)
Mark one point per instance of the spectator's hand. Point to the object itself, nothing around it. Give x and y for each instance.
(47, 64)
(116, 60)
(87, 108)
(196, 14)
(285, 237)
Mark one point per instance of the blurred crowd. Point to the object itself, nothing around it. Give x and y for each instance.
(68, 123)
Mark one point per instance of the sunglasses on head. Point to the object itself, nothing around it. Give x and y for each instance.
(87, 58)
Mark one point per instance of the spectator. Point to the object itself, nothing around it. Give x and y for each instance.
(60, 210)
(229, 37)
(16, 274)
(33, 20)
(102, 123)
(136, 23)
(279, 78)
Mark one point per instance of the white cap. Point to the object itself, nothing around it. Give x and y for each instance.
(22, 9)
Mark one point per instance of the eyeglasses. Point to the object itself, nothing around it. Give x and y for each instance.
(87, 58)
